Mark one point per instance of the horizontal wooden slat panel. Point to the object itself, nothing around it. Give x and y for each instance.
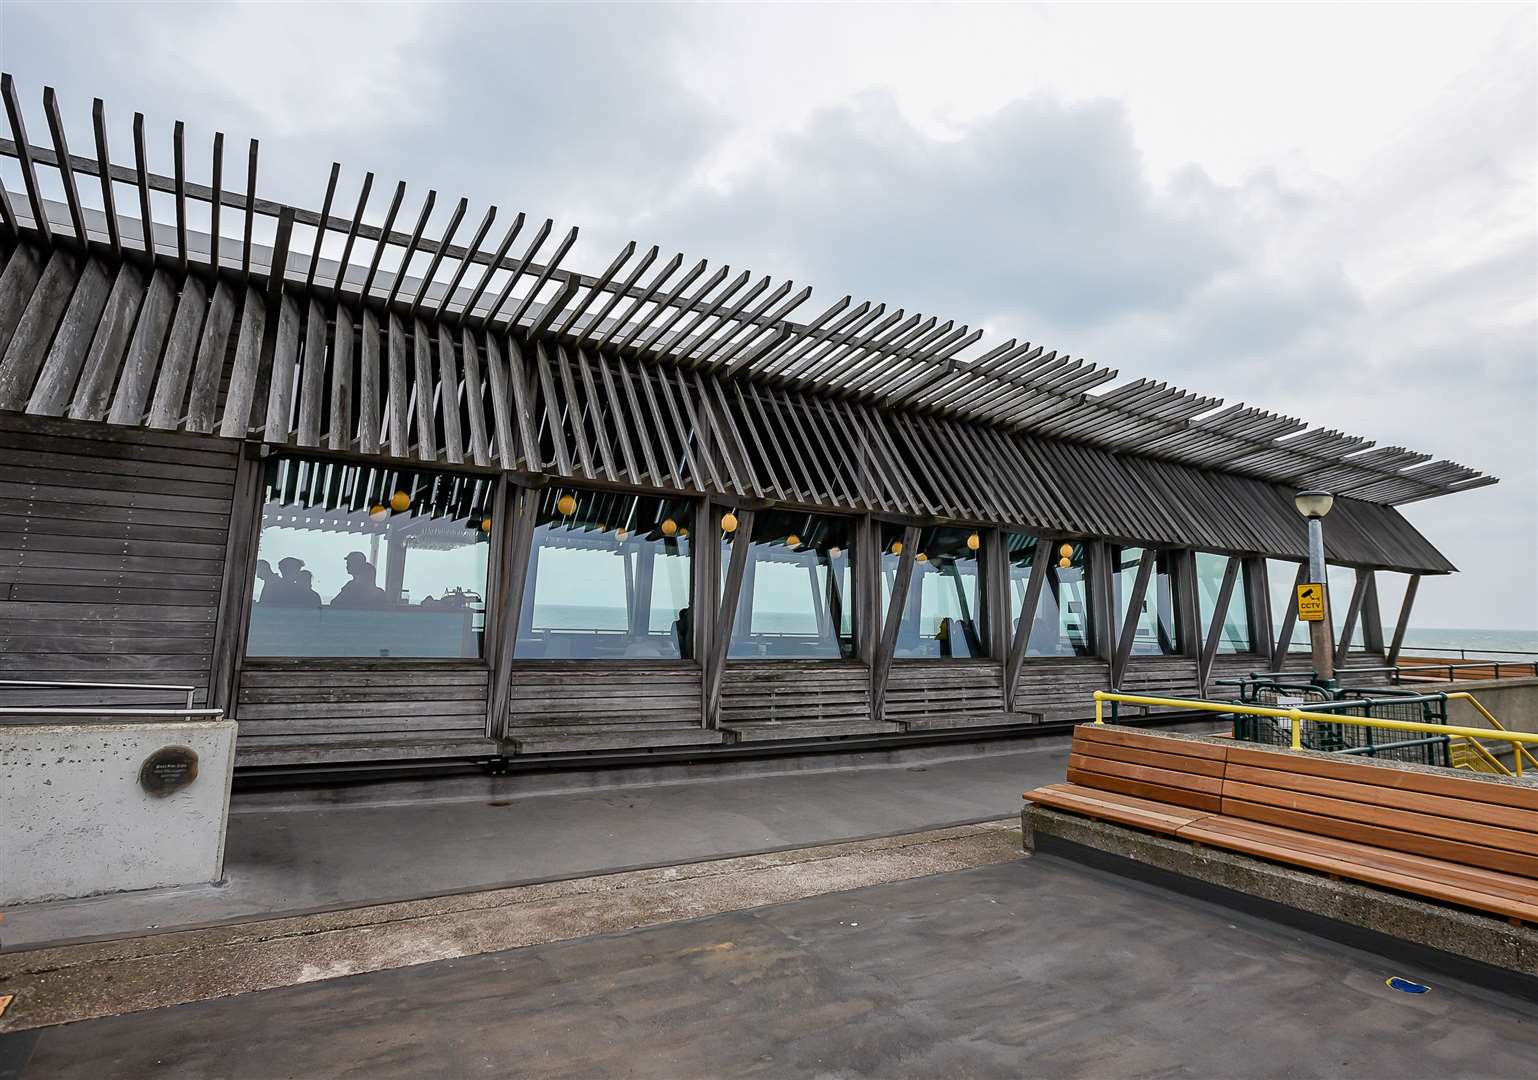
(576, 698)
(944, 690)
(792, 691)
(112, 546)
(316, 704)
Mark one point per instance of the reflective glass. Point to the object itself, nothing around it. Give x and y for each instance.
(1155, 612)
(359, 561)
(1342, 585)
(944, 615)
(1062, 623)
(1281, 583)
(796, 600)
(1235, 636)
(610, 577)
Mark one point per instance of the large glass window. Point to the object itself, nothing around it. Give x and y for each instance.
(1281, 583)
(609, 578)
(1155, 612)
(944, 615)
(1342, 587)
(797, 600)
(361, 561)
(1061, 626)
(1235, 635)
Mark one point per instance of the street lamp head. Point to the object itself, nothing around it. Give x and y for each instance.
(1313, 504)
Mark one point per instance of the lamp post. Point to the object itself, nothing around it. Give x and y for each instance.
(1314, 505)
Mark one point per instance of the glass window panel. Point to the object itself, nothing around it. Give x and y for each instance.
(1156, 614)
(1235, 636)
(1281, 582)
(796, 600)
(1342, 585)
(359, 561)
(610, 578)
(943, 617)
(1062, 626)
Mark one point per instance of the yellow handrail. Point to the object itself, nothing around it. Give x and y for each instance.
(1518, 750)
(1297, 716)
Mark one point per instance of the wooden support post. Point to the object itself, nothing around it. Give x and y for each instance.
(1353, 612)
(513, 527)
(1284, 638)
(1100, 598)
(1403, 623)
(1041, 562)
(1129, 621)
(1372, 616)
(731, 589)
(865, 576)
(1257, 596)
(1219, 618)
(238, 575)
(886, 648)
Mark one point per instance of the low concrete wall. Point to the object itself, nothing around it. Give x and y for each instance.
(75, 819)
(1513, 701)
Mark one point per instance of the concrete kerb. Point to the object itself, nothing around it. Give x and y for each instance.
(1477, 948)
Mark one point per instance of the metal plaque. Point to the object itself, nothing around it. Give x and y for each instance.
(168, 770)
(1311, 602)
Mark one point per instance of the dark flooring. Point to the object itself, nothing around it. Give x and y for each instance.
(319, 855)
(1035, 968)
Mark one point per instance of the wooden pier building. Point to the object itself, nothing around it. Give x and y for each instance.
(418, 491)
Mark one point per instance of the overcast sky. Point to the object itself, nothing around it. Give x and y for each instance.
(1329, 211)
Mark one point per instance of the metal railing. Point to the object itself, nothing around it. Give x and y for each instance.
(33, 714)
(47, 684)
(1296, 718)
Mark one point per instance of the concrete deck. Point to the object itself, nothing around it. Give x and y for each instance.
(291, 853)
(1039, 967)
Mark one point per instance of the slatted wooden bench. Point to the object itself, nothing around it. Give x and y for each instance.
(1461, 840)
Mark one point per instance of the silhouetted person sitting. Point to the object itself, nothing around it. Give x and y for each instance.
(360, 592)
(289, 587)
(683, 633)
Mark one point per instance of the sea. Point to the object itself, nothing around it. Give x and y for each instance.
(1474, 644)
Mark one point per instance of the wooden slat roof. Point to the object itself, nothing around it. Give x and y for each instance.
(640, 374)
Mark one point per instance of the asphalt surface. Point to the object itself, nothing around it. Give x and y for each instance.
(1038, 967)
(318, 855)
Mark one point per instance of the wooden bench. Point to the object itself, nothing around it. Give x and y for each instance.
(1458, 839)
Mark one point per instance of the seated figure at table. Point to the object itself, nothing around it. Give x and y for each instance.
(361, 591)
(289, 587)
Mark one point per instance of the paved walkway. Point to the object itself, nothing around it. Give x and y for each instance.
(1037, 967)
(318, 857)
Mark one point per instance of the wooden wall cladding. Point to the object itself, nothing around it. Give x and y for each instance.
(1160, 676)
(333, 710)
(924, 695)
(593, 705)
(1061, 688)
(795, 697)
(112, 548)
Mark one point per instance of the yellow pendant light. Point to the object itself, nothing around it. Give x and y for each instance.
(1066, 551)
(377, 512)
(921, 557)
(729, 522)
(897, 547)
(793, 540)
(683, 532)
(835, 552)
(621, 533)
(1065, 562)
(485, 525)
(669, 526)
(400, 502)
(974, 542)
(566, 505)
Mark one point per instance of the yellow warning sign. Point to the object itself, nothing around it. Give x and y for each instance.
(1311, 602)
